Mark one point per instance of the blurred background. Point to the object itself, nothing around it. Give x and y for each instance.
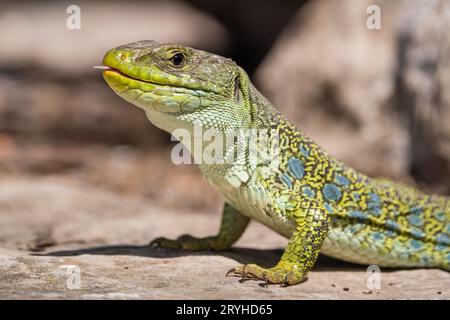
(74, 156)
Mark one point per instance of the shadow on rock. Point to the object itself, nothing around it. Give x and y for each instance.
(265, 258)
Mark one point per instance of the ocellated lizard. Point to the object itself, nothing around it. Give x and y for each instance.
(314, 200)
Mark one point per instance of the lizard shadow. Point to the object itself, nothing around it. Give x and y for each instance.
(264, 257)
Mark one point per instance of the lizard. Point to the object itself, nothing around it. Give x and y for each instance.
(303, 193)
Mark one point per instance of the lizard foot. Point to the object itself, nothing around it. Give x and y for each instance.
(283, 274)
(185, 242)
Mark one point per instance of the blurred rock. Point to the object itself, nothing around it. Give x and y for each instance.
(423, 90)
(334, 78)
(254, 25)
(77, 110)
(48, 89)
(34, 34)
(128, 171)
(376, 99)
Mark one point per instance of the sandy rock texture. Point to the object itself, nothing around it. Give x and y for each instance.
(50, 226)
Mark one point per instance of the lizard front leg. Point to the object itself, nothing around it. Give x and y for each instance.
(299, 256)
(232, 226)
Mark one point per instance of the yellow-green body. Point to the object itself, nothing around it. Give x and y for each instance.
(300, 191)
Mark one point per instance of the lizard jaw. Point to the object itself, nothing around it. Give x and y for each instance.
(149, 95)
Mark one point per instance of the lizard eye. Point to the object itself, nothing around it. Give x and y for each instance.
(178, 60)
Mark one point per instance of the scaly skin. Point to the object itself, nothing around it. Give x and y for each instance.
(308, 196)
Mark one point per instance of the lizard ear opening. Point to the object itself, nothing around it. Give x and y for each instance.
(237, 91)
(242, 91)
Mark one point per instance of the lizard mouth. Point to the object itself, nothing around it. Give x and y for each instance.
(166, 98)
(111, 69)
(105, 69)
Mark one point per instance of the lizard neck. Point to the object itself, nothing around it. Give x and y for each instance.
(293, 160)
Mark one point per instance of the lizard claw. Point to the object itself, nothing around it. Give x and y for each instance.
(240, 272)
(230, 271)
(284, 276)
(284, 283)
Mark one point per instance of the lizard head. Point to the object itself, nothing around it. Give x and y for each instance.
(178, 84)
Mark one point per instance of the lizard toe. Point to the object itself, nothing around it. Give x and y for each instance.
(164, 243)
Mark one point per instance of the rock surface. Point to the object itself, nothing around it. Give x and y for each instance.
(423, 90)
(52, 226)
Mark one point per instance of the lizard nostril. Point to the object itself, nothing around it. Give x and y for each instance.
(123, 56)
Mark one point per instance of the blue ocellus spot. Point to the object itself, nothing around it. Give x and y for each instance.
(354, 228)
(390, 233)
(443, 238)
(416, 209)
(378, 236)
(286, 180)
(304, 151)
(417, 233)
(309, 192)
(358, 215)
(296, 167)
(331, 192)
(328, 208)
(415, 219)
(374, 208)
(440, 215)
(441, 247)
(341, 180)
(392, 225)
(374, 197)
(416, 244)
